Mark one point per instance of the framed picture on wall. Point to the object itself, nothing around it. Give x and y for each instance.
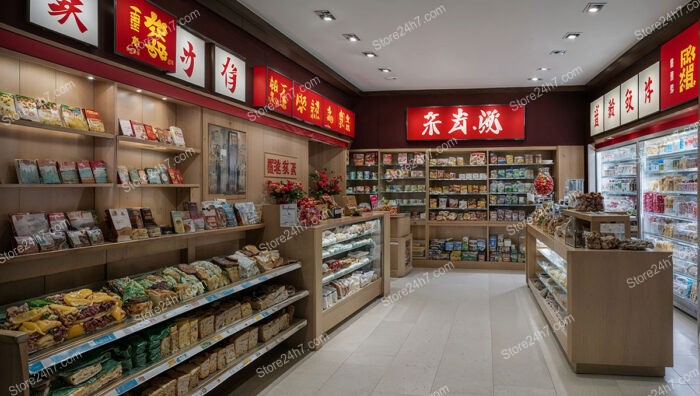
(226, 165)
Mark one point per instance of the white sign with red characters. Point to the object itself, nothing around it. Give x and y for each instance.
(597, 115)
(629, 106)
(76, 19)
(611, 110)
(229, 74)
(649, 90)
(189, 62)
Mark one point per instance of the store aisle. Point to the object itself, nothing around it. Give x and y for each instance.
(448, 336)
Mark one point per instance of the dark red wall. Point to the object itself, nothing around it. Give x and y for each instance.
(550, 120)
(208, 24)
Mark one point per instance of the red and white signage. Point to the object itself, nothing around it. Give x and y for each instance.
(629, 100)
(611, 110)
(189, 62)
(679, 68)
(272, 89)
(77, 19)
(146, 33)
(229, 74)
(649, 90)
(485, 122)
(597, 116)
(277, 165)
(307, 105)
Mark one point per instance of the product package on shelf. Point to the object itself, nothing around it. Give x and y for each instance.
(466, 249)
(73, 117)
(27, 171)
(48, 112)
(26, 108)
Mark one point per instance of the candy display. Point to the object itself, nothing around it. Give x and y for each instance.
(544, 184)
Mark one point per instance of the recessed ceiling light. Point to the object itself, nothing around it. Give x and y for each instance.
(325, 15)
(90, 78)
(384, 70)
(534, 79)
(572, 35)
(164, 98)
(558, 52)
(369, 54)
(351, 37)
(391, 78)
(543, 68)
(139, 90)
(594, 8)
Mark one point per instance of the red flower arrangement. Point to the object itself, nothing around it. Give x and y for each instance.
(285, 192)
(321, 184)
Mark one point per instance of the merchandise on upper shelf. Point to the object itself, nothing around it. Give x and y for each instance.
(61, 172)
(156, 175)
(514, 159)
(362, 175)
(461, 189)
(441, 174)
(513, 173)
(40, 110)
(454, 203)
(446, 215)
(475, 159)
(408, 160)
(172, 135)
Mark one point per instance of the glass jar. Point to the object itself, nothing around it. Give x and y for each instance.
(544, 184)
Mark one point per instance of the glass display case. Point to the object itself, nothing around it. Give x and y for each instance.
(617, 179)
(352, 259)
(552, 278)
(669, 207)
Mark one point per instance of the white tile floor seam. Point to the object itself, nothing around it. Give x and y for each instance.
(450, 334)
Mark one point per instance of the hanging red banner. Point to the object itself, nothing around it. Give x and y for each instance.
(273, 90)
(679, 68)
(146, 33)
(484, 122)
(307, 105)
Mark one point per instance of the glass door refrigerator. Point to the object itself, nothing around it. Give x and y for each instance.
(617, 180)
(669, 185)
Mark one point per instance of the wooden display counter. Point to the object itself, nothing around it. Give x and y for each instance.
(605, 324)
(305, 243)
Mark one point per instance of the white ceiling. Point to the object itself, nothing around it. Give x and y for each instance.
(473, 44)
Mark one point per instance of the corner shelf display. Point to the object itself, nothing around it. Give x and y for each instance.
(669, 207)
(208, 330)
(585, 295)
(346, 263)
(618, 181)
(362, 178)
(403, 181)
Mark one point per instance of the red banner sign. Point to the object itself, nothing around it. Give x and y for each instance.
(679, 68)
(146, 33)
(307, 105)
(484, 122)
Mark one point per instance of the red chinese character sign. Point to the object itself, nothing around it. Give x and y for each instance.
(146, 33)
(611, 109)
(307, 105)
(649, 90)
(629, 100)
(679, 68)
(346, 122)
(77, 19)
(273, 90)
(189, 63)
(485, 122)
(282, 166)
(330, 115)
(229, 74)
(597, 116)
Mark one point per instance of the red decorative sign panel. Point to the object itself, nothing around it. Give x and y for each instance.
(273, 90)
(146, 33)
(280, 166)
(329, 113)
(484, 122)
(307, 105)
(679, 68)
(346, 122)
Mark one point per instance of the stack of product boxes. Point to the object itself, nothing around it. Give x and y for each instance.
(466, 249)
(506, 249)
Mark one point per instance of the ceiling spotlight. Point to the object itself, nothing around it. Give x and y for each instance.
(325, 15)
(572, 35)
(594, 8)
(543, 68)
(391, 78)
(558, 52)
(139, 90)
(384, 70)
(90, 78)
(164, 98)
(351, 37)
(369, 54)
(534, 79)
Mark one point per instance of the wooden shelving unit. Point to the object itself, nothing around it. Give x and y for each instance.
(54, 128)
(604, 320)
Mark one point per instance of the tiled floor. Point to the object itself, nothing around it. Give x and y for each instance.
(449, 334)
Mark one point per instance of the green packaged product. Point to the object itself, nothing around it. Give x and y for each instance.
(140, 360)
(154, 355)
(127, 364)
(138, 343)
(155, 335)
(125, 351)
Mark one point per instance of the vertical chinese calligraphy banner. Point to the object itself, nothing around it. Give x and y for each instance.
(146, 33)
(629, 101)
(679, 68)
(190, 55)
(281, 166)
(611, 110)
(76, 19)
(597, 110)
(330, 115)
(346, 122)
(484, 122)
(307, 105)
(649, 90)
(229, 74)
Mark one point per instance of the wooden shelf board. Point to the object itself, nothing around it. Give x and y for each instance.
(155, 146)
(55, 128)
(77, 185)
(134, 243)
